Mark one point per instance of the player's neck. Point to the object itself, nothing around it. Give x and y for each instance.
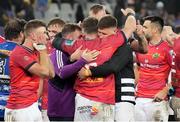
(156, 39)
(17, 40)
(28, 44)
(90, 36)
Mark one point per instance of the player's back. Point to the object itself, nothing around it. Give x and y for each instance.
(100, 89)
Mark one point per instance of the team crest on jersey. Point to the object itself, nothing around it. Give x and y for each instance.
(26, 58)
(156, 55)
(69, 42)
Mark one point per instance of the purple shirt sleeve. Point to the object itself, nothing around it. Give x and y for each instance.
(62, 67)
(70, 69)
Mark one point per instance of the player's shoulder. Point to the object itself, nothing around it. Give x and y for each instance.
(166, 48)
(11, 45)
(177, 41)
(165, 45)
(19, 50)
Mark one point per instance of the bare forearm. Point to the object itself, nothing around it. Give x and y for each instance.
(40, 89)
(46, 64)
(143, 44)
(51, 69)
(130, 26)
(44, 58)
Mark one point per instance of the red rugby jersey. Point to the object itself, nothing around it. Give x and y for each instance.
(24, 85)
(154, 69)
(97, 89)
(176, 67)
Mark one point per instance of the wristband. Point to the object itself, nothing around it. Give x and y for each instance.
(39, 46)
(171, 91)
(130, 14)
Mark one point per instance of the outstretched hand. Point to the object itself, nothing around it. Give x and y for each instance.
(84, 73)
(127, 11)
(161, 95)
(139, 29)
(90, 55)
(76, 55)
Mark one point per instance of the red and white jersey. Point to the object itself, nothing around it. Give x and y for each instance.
(154, 69)
(176, 67)
(24, 85)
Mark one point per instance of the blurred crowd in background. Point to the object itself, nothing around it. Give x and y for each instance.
(77, 10)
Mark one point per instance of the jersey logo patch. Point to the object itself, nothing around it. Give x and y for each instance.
(156, 55)
(26, 58)
(69, 42)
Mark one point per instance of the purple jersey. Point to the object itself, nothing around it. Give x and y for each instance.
(61, 95)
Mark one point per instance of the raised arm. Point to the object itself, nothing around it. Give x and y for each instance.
(140, 44)
(45, 67)
(130, 24)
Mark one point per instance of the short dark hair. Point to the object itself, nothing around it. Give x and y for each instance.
(32, 25)
(96, 8)
(107, 22)
(156, 20)
(13, 28)
(89, 25)
(56, 21)
(69, 28)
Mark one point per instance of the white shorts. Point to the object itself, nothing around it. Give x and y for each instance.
(30, 113)
(44, 115)
(124, 111)
(88, 110)
(147, 110)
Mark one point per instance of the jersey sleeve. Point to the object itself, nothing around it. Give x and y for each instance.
(66, 46)
(69, 46)
(24, 60)
(169, 54)
(63, 70)
(70, 69)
